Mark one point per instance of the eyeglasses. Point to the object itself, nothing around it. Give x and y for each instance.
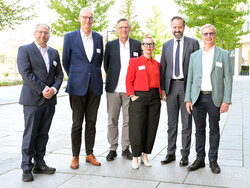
(85, 18)
(42, 32)
(211, 34)
(148, 44)
(126, 28)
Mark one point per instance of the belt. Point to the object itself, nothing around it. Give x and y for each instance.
(177, 80)
(206, 92)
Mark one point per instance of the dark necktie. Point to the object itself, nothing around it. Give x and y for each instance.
(177, 59)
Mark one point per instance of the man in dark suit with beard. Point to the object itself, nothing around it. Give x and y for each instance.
(174, 69)
(42, 77)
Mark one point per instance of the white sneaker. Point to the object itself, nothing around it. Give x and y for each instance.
(146, 163)
(135, 166)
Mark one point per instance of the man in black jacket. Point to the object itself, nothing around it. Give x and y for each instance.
(116, 60)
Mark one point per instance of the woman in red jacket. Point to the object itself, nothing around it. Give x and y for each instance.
(143, 88)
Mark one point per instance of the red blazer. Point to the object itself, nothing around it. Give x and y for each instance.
(137, 77)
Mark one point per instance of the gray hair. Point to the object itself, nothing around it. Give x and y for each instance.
(147, 36)
(122, 20)
(86, 9)
(208, 25)
(45, 25)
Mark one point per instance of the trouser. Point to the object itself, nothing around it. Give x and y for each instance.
(37, 121)
(114, 103)
(175, 103)
(84, 106)
(201, 108)
(144, 114)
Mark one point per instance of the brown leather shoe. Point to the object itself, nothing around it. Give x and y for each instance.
(75, 162)
(91, 159)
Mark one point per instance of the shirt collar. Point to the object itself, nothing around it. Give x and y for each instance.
(181, 39)
(40, 47)
(210, 50)
(146, 59)
(85, 36)
(126, 43)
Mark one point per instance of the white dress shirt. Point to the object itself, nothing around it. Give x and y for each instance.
(181, 57)
(207, 61)
(45, 55)
(124, 59)
(88, 44)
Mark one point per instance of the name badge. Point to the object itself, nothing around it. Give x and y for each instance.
(219, 64)
(142, 67)
(55, 63)
(135, 54)
(98, 50)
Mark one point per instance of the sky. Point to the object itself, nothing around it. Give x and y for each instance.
(24, 33)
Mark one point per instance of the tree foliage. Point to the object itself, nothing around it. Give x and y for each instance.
(157, 29)
(225, 15)
(128, 11)
(13, 14)
(68, 11)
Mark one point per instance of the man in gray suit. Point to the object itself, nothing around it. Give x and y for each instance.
(116, 60)
(209, 91)
(174, 69)
(42, 77)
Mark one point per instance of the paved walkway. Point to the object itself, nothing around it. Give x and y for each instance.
(234, 153)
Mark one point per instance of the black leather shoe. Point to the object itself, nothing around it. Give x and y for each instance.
(44, 170)
(27, 176)
(126, 153)
(168, 159)
(214, 167)
(111, 156)
(184, 161)
(196, 165)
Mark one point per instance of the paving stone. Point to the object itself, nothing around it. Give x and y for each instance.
(106, 182)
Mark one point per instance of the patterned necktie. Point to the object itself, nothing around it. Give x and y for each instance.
(177, 60)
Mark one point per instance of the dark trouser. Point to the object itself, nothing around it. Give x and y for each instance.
(175, 103)
(81, 106)
(37, 121)
(202, 107)
(144, 114)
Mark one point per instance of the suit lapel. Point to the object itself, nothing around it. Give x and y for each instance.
(79, 40)
(170, 56)
(117, 49)
(185, 45)
(131, 47)
(95, 45)
(39, 55)
(50, 54)
(216, 55)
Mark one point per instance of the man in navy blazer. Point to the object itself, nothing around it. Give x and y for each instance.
(82, 60)
(42, 77)
(116, 60)
(174, 69)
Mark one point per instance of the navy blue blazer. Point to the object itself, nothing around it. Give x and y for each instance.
(34, 73)
(79, 69)
(112, 61)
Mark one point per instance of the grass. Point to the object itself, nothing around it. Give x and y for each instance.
(10, 83)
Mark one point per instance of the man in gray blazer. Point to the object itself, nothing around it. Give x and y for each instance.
(42, 77)
(209, 91)
(174, 69)
(116, 60)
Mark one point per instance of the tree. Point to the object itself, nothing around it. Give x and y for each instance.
(156, 28)
(68, 11)
(223, 14)
(13, 14)
(128, 11)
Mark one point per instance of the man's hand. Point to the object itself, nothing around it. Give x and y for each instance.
(163, 95)
(189, 107)
(49, 93)
(224, 107)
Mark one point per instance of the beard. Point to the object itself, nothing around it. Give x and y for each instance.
(178, 36)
